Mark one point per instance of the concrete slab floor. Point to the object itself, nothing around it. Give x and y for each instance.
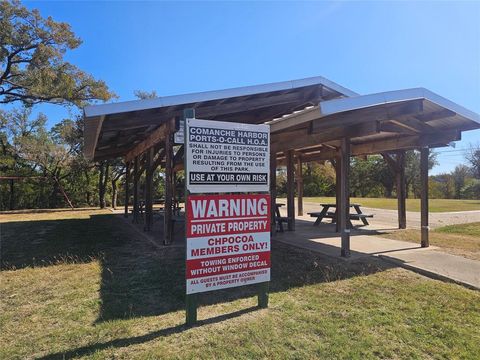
(324, 239)
(427, 261)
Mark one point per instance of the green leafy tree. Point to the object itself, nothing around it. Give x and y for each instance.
(471, 190)
(33, 69)
(364, 179)
(318, 179)
(412, 171)
(459, 177)
(16, 127)
(81, 179)
(442, 186)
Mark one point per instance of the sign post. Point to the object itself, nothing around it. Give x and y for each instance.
(227, 208)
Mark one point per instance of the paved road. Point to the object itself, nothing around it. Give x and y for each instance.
(388, 218)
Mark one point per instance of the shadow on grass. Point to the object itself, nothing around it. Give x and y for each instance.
(117, 343)
(139, 279)
(44, 211)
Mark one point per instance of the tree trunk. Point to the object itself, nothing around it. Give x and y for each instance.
(102, 183)
(388, 192)
(88, 196)
(114, 193)
(12, 195)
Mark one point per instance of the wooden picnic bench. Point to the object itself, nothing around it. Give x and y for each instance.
(325, 213)
(279, 220)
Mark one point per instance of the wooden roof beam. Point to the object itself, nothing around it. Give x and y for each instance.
(154, 138)
(405, 143)
(320, 156)
(394, 126)
(378, 147)
(302, 139)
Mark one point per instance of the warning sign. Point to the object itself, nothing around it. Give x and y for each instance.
(228, 241)
(227, 157)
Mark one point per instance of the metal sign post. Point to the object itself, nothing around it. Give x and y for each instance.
(190, 299)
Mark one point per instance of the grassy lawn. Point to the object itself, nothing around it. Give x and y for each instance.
(435, 205)
(463, 239)
(82, 284)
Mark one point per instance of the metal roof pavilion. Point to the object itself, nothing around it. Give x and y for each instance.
(298, 110)
(310, 120)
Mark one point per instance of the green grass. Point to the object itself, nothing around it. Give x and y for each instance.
(115, 296)
(463, 239)
(435, 205)
(472, 229)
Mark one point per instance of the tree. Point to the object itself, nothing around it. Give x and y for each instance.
(412, 170)
(144, 95)
(460, 175)
(118, 170)
(80, 180)
(383, 174)
(442, 186)
(103, 168)
(471, 190)
(50, 161)
(16, 127)
(318, 179)
(473, 157)
(33, 69)
(52, 158)
(365, 177)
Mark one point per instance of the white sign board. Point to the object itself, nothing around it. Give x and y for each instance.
(227, 157)
(228, 241)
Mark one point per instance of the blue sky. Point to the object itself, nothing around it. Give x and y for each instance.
(181, 47)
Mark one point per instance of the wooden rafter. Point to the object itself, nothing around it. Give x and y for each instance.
(303, 139)
(154, 138)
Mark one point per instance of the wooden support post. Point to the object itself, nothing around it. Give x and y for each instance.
(345, 197)
(424, 196)
(168, 224)
(273, 192)
(337, 193)
(149, 190)
(299, 186)
(290, 191)
(135, 190)
(127, 180)
(401, 190)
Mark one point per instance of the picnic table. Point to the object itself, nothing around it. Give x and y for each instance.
(325, 213)
(278, 218)
(142, 207)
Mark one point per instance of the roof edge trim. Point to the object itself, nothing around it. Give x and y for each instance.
(363, 101)
(136, 105)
